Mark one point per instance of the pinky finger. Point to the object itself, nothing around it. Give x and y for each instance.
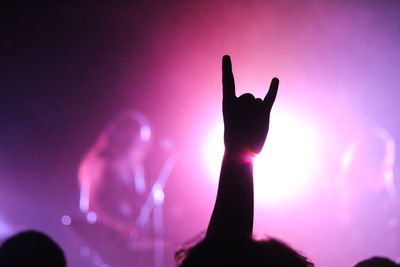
(269, 99)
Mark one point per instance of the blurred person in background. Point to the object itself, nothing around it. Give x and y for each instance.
(369, 200)
(114, 188)
(111, 176)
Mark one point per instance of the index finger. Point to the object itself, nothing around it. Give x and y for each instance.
(228, 82)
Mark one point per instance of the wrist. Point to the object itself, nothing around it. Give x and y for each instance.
(239, 155)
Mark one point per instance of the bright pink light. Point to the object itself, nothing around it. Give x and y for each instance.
(285, 168)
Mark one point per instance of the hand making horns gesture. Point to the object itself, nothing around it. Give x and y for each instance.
(246, 118)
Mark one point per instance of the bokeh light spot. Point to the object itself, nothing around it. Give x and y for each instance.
(66, 220)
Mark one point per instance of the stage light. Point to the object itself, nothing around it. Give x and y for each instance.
(286, 166)
(213, 150)
(145, 133)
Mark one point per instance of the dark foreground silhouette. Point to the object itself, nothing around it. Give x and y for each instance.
(29, 249)
(377, 262)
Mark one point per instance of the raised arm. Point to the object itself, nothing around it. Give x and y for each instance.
(246, 122)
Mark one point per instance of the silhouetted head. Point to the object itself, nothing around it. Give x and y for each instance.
(31, 248)
(377, 262)
(241, 252)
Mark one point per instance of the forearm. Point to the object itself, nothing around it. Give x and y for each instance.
(234, 207)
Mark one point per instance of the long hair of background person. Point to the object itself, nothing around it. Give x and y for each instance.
(128, 130)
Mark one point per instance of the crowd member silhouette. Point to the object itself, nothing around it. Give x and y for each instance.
(31, 249)
(228, 240)
(377, 262)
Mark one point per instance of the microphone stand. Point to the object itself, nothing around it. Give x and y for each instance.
(155, 202)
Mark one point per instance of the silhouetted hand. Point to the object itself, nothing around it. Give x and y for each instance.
(246, 118)
(246, 121)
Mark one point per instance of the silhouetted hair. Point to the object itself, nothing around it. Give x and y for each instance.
(241, 252)
(377, 262)
(31, 248)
